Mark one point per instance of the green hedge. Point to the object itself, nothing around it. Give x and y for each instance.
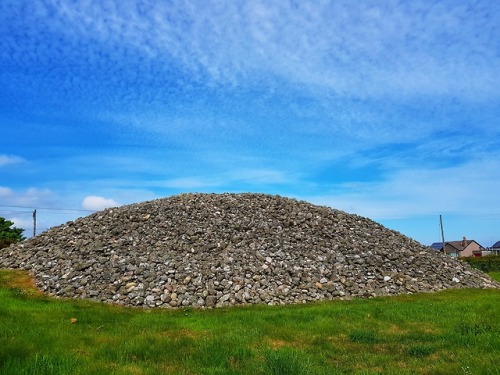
(488, 263)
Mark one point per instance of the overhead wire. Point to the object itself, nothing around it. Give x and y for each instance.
(49, 208)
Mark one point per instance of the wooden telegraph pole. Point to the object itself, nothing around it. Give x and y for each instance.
(442, 232)
(34, 223)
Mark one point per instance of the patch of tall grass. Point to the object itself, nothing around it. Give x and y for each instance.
(438, 333)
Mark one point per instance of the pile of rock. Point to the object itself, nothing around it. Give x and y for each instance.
(211, 250)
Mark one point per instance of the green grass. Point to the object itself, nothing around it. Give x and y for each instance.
(495, 275)
(451, 332)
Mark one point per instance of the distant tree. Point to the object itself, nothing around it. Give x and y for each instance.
(9, 235)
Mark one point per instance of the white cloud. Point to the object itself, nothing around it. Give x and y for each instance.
(96, 203)
(10, 159)
(26, 224)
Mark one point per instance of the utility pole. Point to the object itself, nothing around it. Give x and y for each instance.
(442, 232)
(34, 223)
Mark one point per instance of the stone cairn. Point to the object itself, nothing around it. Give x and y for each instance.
(213, 250)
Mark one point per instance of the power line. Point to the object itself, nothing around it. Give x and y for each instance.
(15, 212)
(49, 208)
(453, 216)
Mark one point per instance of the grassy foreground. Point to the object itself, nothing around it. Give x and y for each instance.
(451, 332)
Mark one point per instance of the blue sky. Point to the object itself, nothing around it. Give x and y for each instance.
(386, 109)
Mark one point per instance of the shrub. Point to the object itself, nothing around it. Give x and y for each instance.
(9, 234)
(488, 263)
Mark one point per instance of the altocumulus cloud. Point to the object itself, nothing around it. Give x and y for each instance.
(96, 203)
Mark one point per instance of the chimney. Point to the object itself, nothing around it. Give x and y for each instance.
(464, 242)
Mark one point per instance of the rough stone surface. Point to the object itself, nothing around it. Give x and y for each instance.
(212, 250)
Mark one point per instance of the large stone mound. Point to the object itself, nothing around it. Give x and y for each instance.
(210, 250)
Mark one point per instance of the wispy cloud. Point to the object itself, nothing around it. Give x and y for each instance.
(260, 177)
(245, 179)
(31, 197)
(188, 183)
(10, 159)
(465, 188)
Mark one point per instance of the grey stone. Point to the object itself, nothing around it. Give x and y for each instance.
(210, 301)
(208, 250)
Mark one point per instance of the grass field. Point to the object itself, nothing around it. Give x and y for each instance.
(451, 332)
(495, 275)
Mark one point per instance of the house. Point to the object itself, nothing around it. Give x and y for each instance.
(495, 249)
(462, 249)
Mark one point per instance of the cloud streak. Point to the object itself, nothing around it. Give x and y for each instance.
(31, 197)
(10, 159)
(422, 191)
